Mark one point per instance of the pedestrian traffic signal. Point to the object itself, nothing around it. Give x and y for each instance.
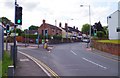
(18, 15)
(7, 28)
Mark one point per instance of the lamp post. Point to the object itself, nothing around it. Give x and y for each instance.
(89, 21)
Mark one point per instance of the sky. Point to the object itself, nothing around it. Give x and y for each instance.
(64, 11)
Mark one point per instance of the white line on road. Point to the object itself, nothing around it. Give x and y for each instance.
(94, 63)
(73, 52)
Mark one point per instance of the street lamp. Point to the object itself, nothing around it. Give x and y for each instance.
(89, 21)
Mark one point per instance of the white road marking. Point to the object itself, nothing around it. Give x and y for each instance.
(73, 52)
(24, 60)
(94, 63)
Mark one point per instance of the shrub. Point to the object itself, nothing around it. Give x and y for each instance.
(100, 34)
(58, 37)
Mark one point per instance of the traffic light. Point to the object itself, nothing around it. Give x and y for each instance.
(7, 28)
(18, 15)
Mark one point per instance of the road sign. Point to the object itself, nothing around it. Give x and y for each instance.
(13, 34)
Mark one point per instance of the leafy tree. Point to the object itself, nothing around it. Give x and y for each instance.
(85, 28)
(98, 26)
(5, 21)
(105, 29)
(33, 27)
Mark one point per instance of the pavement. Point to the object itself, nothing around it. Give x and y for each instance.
(26, 67)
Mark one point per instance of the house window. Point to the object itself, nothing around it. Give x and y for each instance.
(52, 30)
(42, 32)
(46, 32)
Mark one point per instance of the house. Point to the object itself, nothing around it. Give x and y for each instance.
(33, 32)
(47, 29)
(70, 32)
(65, 34)
(114, 24)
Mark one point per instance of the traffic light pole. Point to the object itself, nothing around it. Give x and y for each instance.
(14, 50)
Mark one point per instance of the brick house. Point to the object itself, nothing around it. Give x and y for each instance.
(69, 32)
(47, 29)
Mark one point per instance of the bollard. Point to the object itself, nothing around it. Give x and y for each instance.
(11, 71)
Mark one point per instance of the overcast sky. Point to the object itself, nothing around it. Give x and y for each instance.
(34, 11)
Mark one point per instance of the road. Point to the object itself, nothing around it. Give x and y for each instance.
(73, 59)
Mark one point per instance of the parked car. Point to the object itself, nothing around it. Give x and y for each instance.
(31, 41)
(86, 40)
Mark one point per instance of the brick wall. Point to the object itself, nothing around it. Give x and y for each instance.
(107, 47)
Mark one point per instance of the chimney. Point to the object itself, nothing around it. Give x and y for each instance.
(43, 21)
(65, 25)
(74, 27)
(60, 25)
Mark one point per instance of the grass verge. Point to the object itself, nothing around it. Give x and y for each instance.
(109, 41)
(0, 68)
(5, 63)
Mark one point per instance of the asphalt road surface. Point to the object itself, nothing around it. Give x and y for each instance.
(74, 59)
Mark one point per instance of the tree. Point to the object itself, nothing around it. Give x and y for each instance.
(98, 26)
(85, 28)
(105, 30)
(33, 27)
(5, 21)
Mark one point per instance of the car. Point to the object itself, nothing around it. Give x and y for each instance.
(86, 40)
(31, 41)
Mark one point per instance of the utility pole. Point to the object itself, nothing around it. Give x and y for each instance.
(89, 22)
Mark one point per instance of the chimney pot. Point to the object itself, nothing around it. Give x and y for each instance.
(43, 21)
(60, 25)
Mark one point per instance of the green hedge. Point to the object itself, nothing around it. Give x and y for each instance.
(42, 37)
(100, 34)
(58, 37)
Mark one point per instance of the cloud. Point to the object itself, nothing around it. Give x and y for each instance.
(9, 4)
(29, 6)
(34, 11)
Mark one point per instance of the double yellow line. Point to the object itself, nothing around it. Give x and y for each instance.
(51, 72)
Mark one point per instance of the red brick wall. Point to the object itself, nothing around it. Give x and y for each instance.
(107, 47)
(19, 38)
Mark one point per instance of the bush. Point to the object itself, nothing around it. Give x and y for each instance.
(58, 37)
(32, 36)
(100, 34)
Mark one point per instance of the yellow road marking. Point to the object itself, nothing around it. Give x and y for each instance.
(44, 65)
